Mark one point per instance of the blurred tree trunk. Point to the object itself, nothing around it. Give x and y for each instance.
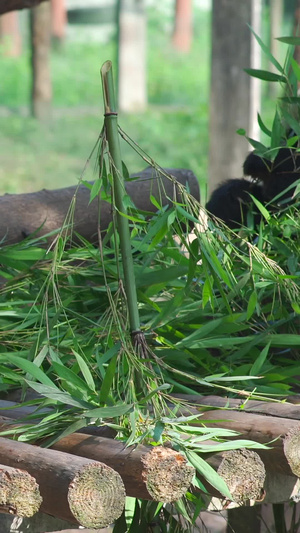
(40, 31)
(234, 96)
(297, 31)
(182, 36)
(276, 17)
(12, 5)
(10, 36)
(59, 20)
(132, 89)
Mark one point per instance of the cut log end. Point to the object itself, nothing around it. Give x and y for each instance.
(291, 448)
(166, 474)
(19, 492)
(96, 495)
(244, 473)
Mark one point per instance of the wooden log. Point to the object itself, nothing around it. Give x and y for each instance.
(265, 427)
(244, 473)
(13, 409)
(276, 409)
(13, 5)
(23, 214)
(19, 492)
(161, 474)
(73, 488)
(148, 473)
(259, 428)
(291, 446)
(264, 422)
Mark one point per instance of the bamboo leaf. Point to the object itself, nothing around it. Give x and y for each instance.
(58, 396)
(261, 208)
(29, 368)
(85, 371)
(291, 121)
(296, 68)
(289, 40)
(267, 51)
(208, 473)
(109, 412)
(258, 364)
(277, 131)
(95, 189)
(290, 99)
(108, 379)
(160, 276)
(72, 428)
(260, 148)
(262, 126)
(70, 377)
(265, 75)
(251, 304)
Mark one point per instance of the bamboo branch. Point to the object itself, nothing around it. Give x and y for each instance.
(112, 134)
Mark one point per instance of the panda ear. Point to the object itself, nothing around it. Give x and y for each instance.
(255, 166)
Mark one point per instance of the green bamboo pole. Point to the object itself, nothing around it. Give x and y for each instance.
(112, 135)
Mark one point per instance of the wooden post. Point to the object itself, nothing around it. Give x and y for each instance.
(10, 36)
(40, 26)
(234, 97)
(132, 56)
(182, 36)
(59, 20)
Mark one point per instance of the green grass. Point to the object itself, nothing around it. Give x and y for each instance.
(173, 130)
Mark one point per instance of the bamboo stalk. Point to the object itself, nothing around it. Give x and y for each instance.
(111, 127)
